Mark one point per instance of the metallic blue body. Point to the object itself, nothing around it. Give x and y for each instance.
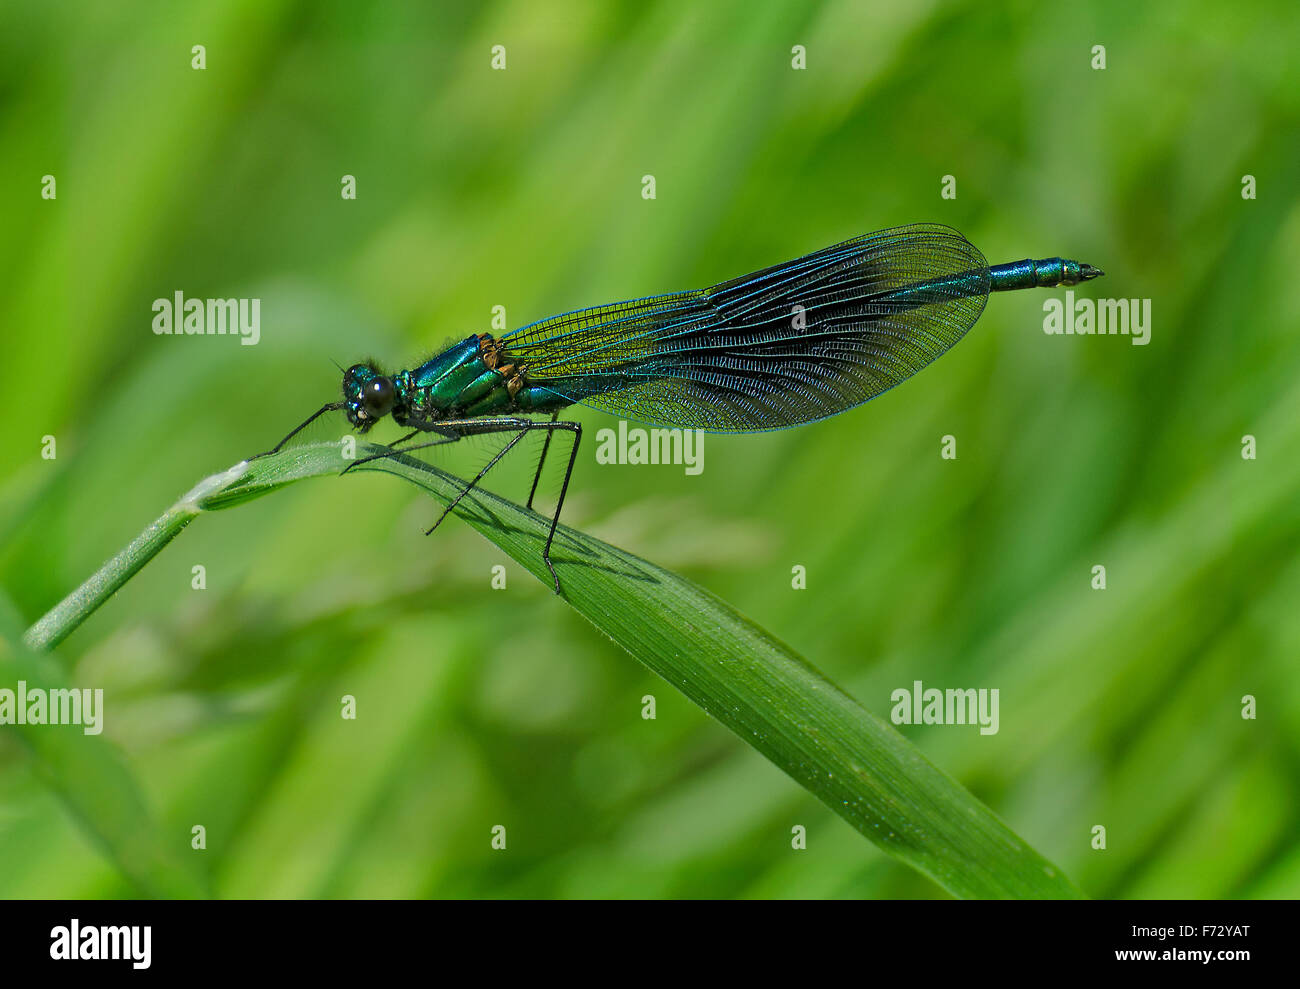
(783, 346)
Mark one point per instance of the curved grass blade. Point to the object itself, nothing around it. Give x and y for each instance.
(772, 698)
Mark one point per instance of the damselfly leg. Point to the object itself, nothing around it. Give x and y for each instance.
(452, 430)
(392, 448)
(329, 407)
(541, 462)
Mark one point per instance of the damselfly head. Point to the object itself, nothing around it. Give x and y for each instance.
(368, 395)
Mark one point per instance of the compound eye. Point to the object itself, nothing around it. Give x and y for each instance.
(377, 397)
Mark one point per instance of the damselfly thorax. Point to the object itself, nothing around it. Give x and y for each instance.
(475, 378)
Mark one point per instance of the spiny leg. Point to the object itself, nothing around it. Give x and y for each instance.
(474, 483)
(328, 407)
(526, 426)
(504, 424)
(453, 430)
(392, 449)
(542, 462)
(576, 429)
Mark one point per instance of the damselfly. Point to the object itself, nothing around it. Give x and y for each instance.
(781, 347)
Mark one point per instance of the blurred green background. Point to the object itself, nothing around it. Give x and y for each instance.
(522, 188)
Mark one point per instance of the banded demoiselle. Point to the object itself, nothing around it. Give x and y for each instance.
(788, 345)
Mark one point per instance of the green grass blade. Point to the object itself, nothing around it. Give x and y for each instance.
(858, 765)
(63, 618)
